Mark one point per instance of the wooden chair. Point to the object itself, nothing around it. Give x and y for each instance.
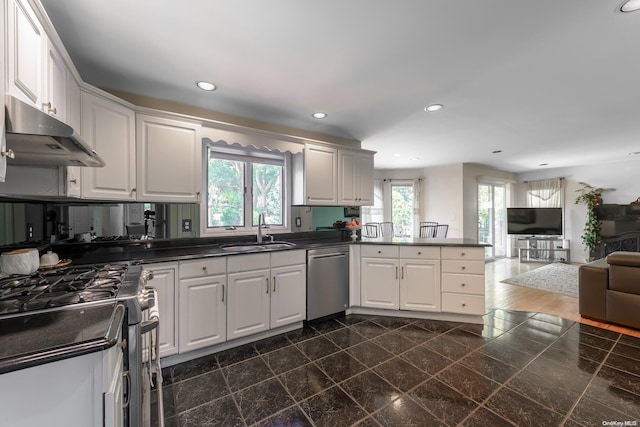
(370, 229)
(441, 230)
(428, 230)
(386, 229)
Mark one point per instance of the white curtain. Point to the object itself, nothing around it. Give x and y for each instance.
(546, 193)
(417, 202)
(374, 213)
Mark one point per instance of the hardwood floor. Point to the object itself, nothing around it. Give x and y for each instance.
(513, 297)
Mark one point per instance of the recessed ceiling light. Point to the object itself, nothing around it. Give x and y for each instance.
(433, 107)
(319, 115)
(496, 151)
(396, 155)
(630, 6)
(415, 158)
(206, 85)
(543, 164)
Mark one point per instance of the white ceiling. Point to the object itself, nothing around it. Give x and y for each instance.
(545, 81)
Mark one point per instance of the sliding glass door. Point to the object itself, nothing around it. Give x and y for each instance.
(492, 203)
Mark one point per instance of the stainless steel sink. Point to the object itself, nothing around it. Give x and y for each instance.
(255, 247)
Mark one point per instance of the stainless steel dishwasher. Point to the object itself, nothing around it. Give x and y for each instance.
(327, 281)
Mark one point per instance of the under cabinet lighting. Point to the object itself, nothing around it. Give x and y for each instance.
(630, 6)
(206, 85)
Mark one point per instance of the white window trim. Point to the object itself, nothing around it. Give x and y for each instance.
(245, 155)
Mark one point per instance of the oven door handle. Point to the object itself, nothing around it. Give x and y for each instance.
(149, 325)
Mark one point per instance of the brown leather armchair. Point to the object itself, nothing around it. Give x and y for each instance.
(609, 289)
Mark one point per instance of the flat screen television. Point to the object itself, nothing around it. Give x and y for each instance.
(534, 221)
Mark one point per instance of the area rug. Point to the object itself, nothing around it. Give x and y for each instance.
(556, 277)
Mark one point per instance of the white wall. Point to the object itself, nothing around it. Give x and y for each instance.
(442, 197)
(623, 176)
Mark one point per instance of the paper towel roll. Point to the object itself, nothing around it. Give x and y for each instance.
(20, 261)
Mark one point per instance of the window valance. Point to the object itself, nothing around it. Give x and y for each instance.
(248, 141)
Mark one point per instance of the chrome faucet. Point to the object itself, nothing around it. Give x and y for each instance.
(260, 222)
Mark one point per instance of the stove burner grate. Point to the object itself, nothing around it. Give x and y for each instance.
(60, 287)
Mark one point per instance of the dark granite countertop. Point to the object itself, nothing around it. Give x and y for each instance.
(421, 241)
(171, 250)
(35, 339)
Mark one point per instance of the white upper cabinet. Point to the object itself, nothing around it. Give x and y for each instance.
(26, 42)
(169, 160)
(109, 128)
(320, 175)
(355, 178)
(55, 98)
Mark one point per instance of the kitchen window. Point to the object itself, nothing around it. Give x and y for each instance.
(242, 184)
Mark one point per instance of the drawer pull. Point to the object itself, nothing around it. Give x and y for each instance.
(204, 268)
(379, 252)
(463, 285)
(464, 305)
(419, 253)
(464, 268)
(462, 254)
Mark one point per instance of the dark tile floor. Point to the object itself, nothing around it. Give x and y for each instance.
(523, 369)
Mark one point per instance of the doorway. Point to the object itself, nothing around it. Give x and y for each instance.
(492, 204)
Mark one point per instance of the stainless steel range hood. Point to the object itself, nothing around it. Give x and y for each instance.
(38, 139)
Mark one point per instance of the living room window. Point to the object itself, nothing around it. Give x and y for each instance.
(241, 184)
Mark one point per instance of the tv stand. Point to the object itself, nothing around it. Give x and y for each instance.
(544, 249)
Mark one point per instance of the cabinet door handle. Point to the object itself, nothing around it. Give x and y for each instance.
(126, 375)
(267, 285)
(402, 272)
(222, 293)
(9, 153)
(274, 283)
(396, 272)
(73, 181)
(46, 105)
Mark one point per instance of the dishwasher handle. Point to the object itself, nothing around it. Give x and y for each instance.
(331, 255)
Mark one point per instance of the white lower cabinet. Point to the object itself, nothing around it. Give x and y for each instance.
(288, 288)
(266, 291)
(380, 286)
(75, 392)
(400, 277)
(164, 280)
(203, 314)
(463, 280)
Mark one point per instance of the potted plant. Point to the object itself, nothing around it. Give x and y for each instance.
(592, 197)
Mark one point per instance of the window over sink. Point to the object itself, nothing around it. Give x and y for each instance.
(241, 184)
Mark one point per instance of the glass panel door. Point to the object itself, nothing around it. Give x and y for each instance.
(492, 204)
(402, 209)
